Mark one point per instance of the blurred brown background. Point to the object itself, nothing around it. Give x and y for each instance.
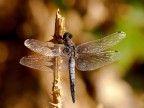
(118, 85)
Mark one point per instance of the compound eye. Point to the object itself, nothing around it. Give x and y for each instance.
(67, 35)
(70, 36)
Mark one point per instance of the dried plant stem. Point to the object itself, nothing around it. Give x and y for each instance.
(59, 28)
(57, 93)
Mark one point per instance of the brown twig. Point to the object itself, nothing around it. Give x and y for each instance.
(59, 30)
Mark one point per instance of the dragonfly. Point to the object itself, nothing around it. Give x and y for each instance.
(87, 56)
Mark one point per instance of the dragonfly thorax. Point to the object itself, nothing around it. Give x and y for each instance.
(70, 47)
(71, 51)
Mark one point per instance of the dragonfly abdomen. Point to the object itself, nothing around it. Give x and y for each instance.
(72, 77)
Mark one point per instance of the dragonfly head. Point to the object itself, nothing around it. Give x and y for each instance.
(67, 36)
(67, 39)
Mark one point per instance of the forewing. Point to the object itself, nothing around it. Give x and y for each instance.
(44, 48)
(101, 44)
(92, 61)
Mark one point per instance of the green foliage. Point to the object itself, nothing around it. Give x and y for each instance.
(132, 47)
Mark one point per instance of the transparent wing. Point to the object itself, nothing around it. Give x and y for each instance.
(44, 48)
(38, 62)
(101, 44)
(92, 61)
(44, 63)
